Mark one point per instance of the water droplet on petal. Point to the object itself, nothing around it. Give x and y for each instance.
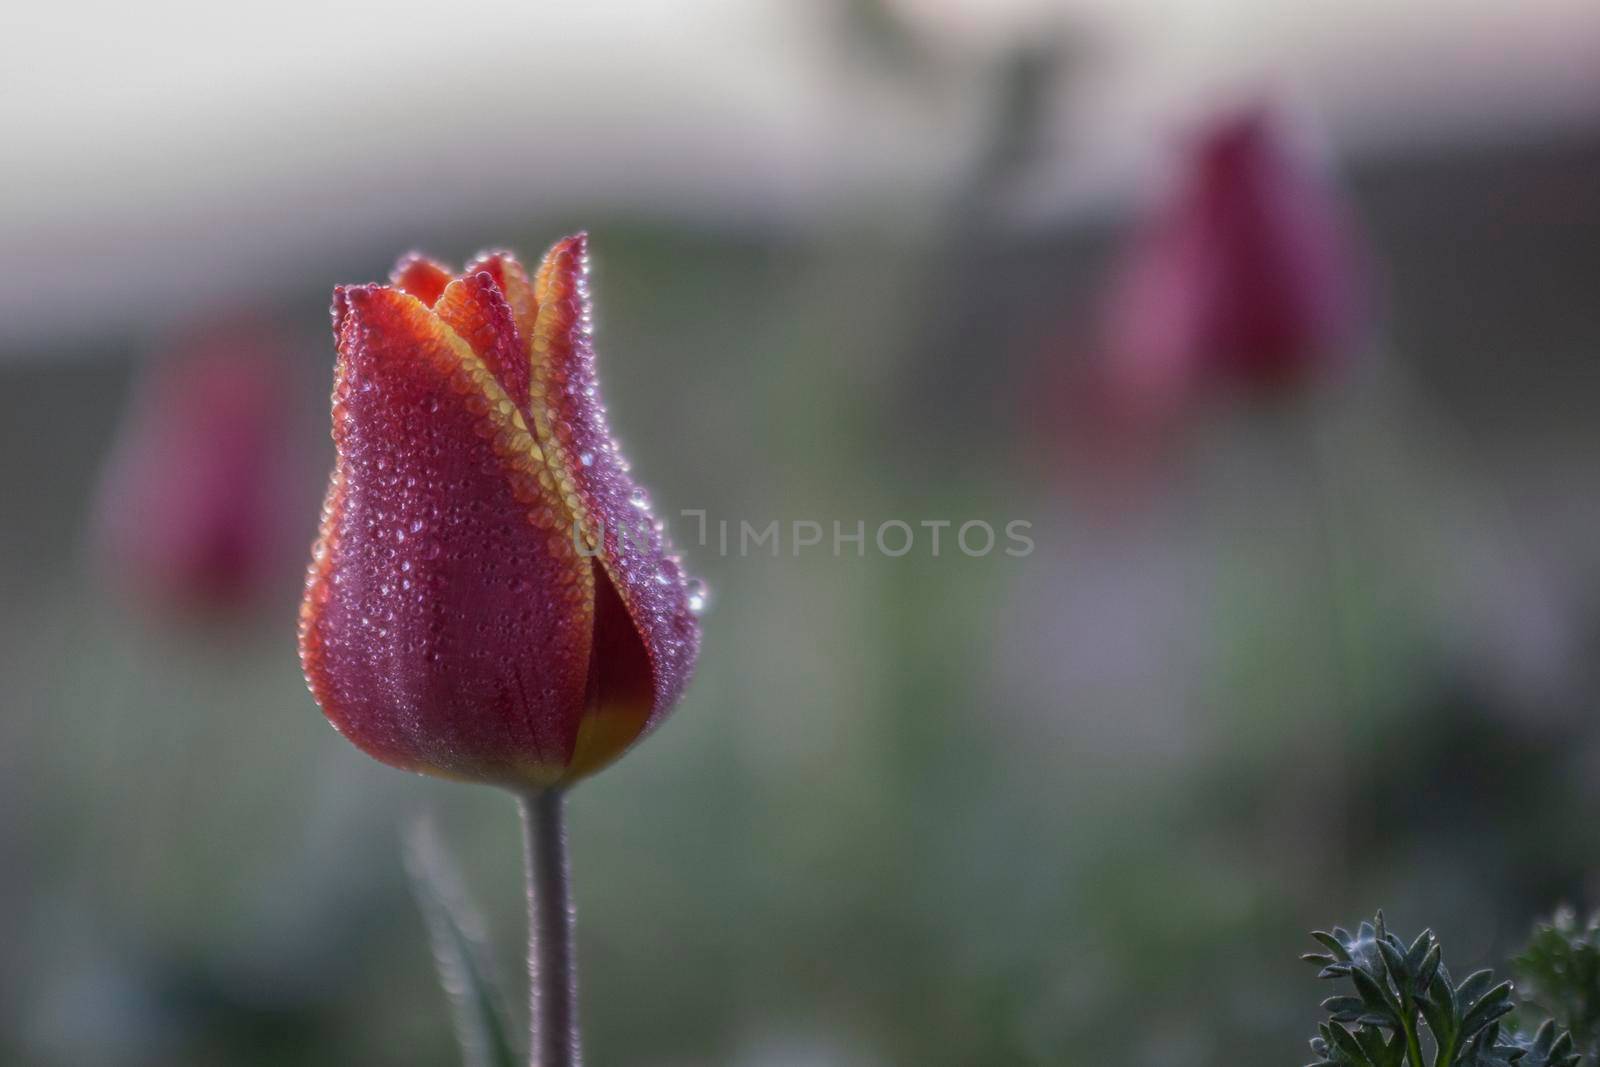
(699, 596)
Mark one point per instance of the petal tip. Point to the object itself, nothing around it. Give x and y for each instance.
(481, 259)
(575, 247)
(372, 310)
(355, 298)
(351, 302)
(564, 268)
(413, 258)
(420, 275)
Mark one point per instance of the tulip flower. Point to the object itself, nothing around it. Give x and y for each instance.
(490, 599)
(1247, 279)
(197, 505)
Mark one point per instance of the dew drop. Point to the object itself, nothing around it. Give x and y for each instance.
(699, 596)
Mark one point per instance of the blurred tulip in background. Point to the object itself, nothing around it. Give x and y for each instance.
(200, 507)
(1247, 280)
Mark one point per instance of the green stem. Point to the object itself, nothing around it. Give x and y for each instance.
(1413, 1043)
(553, 1039)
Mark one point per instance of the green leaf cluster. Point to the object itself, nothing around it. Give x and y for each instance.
(1404, 1010)
(1559, 973)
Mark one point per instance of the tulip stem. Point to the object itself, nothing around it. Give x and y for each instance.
(553, 1039)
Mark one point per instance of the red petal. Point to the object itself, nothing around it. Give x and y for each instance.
(473, 307)
(420, 276)
(448, 617)
(612, 511)
(517, 288)
(621, 686)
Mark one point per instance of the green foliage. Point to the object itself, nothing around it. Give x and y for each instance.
(1560, 975)
(1406, 1011)
(460, 951)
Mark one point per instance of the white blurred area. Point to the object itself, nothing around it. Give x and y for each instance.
(177, 152)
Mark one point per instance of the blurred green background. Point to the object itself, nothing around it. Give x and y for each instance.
(1073, 808)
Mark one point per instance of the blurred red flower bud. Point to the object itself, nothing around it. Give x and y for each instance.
(197, 506)
(489, 598)
(1247, 278)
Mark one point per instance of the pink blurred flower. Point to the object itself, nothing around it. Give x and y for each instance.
(1247, 279)
(200, 508)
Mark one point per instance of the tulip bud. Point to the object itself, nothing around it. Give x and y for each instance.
(489, 598)
(197, 506)
(1247, 279)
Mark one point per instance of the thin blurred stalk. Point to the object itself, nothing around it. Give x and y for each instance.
(1344, 662)
(553, 1039)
